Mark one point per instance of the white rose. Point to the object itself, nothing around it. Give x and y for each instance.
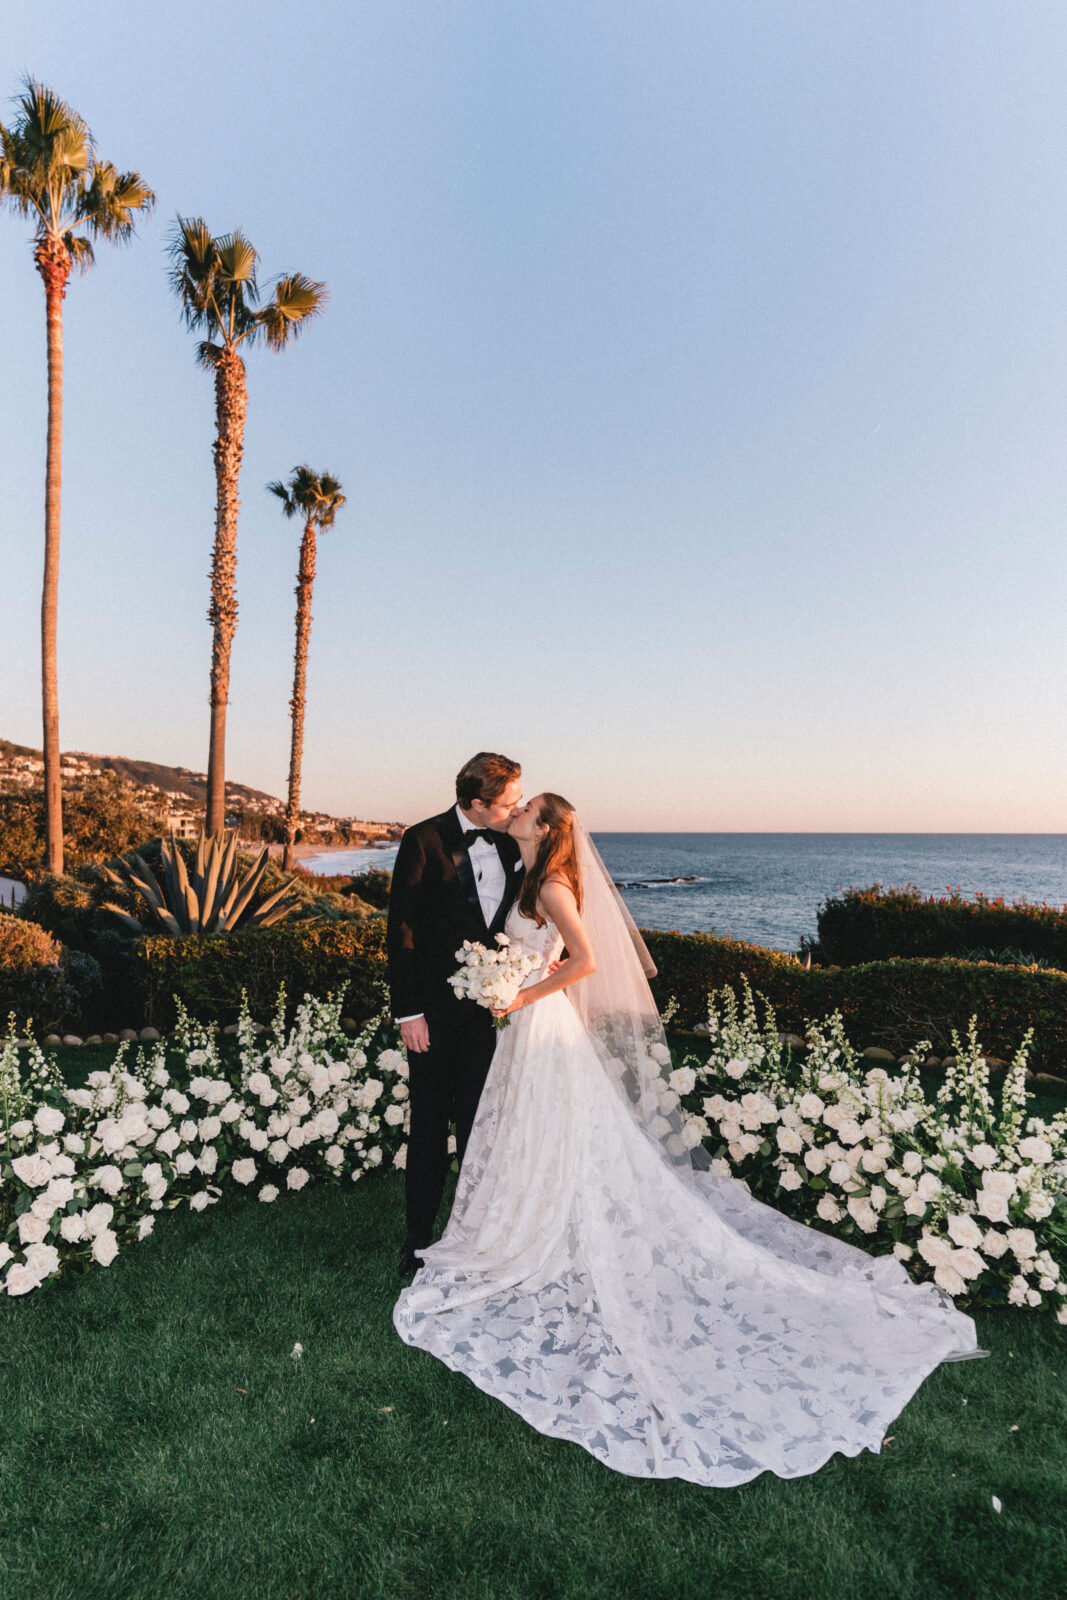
(258, 1139)
(258, 1082)
(946, 1277)
(994, 1207)
(74, 1143)
(1032, 1149)
(815, 1161)
(790, 1179)
(915, 1206)
(327, 1121)
(877, 1197)
(662, 1055)
(736, 1068)
(1039, 1205)
(244, 1171)
(850, 1132)
(928, 1187)
(60, 1190)
(968, 1263)
(279, 1150)
(863, 1213)
(156, 1191)
(1022, 1243)
(105, 1247)
(230, 1112)
(394, 1116)
(297, 1178)
(153, 1173)
(789, 1141)
(168, 1141)
(176, 1101)
(840, 1172)
(23, 1129)
(209, 1160)
(268, 1192)
(199, 1201)
(810, 1106)
(298, 1137)
(109, 1179)
(903, 1252)
(184, 1162)
(1002, 1183)
(44, 1207)
(964, 1231)
(210, 1128)
(32, 1230)
(828, 1209)
(98, 1217)
(994, 1244)
(912, 1163)
(158, 1117)
(32, 1170)
(145, 1226)
(683, 1080)
(374, 1155)
(43, 1259)
(935, 1250)
(49, 1119)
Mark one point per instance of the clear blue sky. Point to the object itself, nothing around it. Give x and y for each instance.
(695, 372)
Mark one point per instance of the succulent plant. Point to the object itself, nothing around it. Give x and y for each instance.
(212, 898)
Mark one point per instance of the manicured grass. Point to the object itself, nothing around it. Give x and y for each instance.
(158, 1441)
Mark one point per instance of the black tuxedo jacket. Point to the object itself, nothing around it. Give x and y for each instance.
(433, 907)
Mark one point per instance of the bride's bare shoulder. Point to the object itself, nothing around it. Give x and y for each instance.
(556, 894)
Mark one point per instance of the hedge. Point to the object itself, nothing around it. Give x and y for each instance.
(876, 923)
(40, 981)
(209, 974)
(893, 1003)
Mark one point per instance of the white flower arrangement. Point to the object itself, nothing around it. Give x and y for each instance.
(492, 977)
(82, 1171)
(966, 1191)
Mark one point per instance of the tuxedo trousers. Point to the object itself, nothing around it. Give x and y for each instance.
(445, 1084)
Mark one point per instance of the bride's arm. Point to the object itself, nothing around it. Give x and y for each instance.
(558, 902)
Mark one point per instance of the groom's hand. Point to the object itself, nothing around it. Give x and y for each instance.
(415, 1035)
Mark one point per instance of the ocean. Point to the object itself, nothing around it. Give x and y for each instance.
(767, 887)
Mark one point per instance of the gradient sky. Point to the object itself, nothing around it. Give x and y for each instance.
(694, 369)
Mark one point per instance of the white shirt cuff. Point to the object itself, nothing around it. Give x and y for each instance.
(416, 1018)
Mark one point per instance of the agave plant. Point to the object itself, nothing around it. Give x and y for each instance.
(213, 898)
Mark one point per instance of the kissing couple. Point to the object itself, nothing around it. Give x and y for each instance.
(594, 1275)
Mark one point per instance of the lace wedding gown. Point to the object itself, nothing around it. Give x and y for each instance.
(657, 1316)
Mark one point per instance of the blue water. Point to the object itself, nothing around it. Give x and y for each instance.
(767, 887)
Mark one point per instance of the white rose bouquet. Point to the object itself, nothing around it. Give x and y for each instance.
(492, 977)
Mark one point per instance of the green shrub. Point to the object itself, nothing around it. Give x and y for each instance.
(39, 980)
(209, 974)
(690, 965)
(101, 818)
(876, 924)
(891, 1003)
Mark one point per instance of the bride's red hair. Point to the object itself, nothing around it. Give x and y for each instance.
(557, 856)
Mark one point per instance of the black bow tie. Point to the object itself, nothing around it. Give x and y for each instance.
(470, 834)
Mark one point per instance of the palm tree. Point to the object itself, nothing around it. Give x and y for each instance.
(318, 499)
(216, 285)
(49, 172)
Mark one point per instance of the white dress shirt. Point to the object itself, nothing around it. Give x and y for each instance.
(489, 876)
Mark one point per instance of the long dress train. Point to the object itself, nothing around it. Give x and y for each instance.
(661, 1318)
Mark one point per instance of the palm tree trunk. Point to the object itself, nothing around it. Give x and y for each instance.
(231, 401)
(304, 583)
(54, 264)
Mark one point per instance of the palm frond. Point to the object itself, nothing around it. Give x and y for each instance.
(46, 155)
(194, 272)
(289, 505)
(81, 250)
(110, 201)
(237, 263)
(296, 300)
(208, 354)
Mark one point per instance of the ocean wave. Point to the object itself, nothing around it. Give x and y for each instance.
(655, 883)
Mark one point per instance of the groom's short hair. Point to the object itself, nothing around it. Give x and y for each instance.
(484, 777)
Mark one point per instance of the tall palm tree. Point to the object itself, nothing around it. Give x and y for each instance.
(49, 172)
(317, 498)
(216, 285)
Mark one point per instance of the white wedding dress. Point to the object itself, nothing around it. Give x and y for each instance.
(658, 1316)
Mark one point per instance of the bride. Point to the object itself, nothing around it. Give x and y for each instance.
(599, 1283)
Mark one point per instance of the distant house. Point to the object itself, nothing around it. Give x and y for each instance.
(184, 824)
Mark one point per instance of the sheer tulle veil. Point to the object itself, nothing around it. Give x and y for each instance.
(618, 1010)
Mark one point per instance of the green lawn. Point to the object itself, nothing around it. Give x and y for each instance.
(159, 1442)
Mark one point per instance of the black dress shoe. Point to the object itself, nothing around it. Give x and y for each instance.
(409, 1262)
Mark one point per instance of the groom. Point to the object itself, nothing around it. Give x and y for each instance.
(455, 878)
